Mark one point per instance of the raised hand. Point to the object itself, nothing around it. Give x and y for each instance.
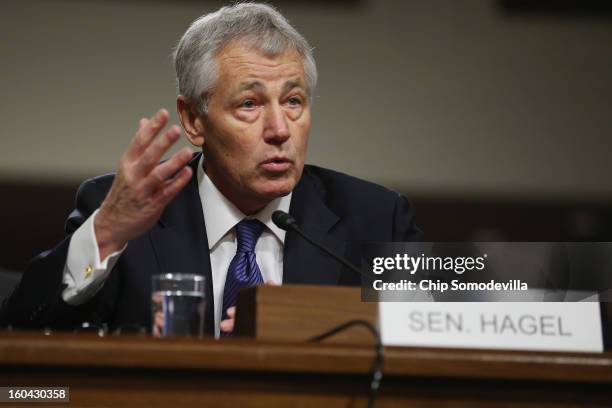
(142, 187)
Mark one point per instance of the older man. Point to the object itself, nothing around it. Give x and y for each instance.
(246, 79)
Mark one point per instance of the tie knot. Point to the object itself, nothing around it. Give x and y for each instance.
(247, 234)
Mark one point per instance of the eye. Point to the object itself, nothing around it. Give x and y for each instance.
(248, 104)
(294, 101)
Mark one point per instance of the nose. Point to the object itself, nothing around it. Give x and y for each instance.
(276, 129)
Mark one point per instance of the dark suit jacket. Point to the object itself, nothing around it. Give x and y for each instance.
(331, 207)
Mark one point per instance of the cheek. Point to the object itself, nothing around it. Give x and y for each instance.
(301, 143)
(235, 142)
(246, 156)
(227, 154)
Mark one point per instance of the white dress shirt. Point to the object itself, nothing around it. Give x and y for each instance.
(221, 216)
(85, 273)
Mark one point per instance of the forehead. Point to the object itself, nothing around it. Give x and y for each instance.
(239, 63)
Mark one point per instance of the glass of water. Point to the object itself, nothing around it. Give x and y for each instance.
(177, 304)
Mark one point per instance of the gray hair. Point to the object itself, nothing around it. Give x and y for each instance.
(260, 25)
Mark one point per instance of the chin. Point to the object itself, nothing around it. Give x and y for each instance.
(276, 190)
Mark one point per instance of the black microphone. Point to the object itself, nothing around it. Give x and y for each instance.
(286, 222)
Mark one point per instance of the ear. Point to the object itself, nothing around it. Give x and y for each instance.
(191, 121)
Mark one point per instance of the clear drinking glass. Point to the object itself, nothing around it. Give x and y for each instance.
(177, 305)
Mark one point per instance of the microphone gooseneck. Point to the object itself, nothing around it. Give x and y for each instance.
(286, 222)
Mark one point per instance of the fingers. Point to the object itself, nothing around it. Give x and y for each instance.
(152, 128)
(162, 173)
(227, 326)
(145, 151)
(142, 188)
(142, 123)
(146, 133)
(154, 152)
(158, 327)
(170, 188)
(176, 184)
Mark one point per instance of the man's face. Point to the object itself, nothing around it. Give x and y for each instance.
(257, 125)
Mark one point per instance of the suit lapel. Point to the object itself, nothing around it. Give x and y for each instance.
(303, 263)
(179, 239)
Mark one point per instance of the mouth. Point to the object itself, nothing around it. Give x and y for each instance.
(276, 164)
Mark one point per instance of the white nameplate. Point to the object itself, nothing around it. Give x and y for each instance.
(548, 326)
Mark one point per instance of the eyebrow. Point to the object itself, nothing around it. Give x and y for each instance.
(257, 85)
(289, 85)
(249, 86)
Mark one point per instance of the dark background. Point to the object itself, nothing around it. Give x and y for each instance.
(493, 116)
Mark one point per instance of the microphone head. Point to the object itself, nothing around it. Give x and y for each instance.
(283, 220)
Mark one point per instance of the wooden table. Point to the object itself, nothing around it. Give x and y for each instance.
(142, 371)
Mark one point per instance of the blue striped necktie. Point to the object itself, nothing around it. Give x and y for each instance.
(243, 271)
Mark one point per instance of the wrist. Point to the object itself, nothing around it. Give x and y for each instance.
(106, 238)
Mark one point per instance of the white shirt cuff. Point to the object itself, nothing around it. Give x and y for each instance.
(84, 273)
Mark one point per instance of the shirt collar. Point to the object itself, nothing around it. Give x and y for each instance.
(221, 215)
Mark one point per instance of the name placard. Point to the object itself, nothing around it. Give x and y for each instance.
(546, 326)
